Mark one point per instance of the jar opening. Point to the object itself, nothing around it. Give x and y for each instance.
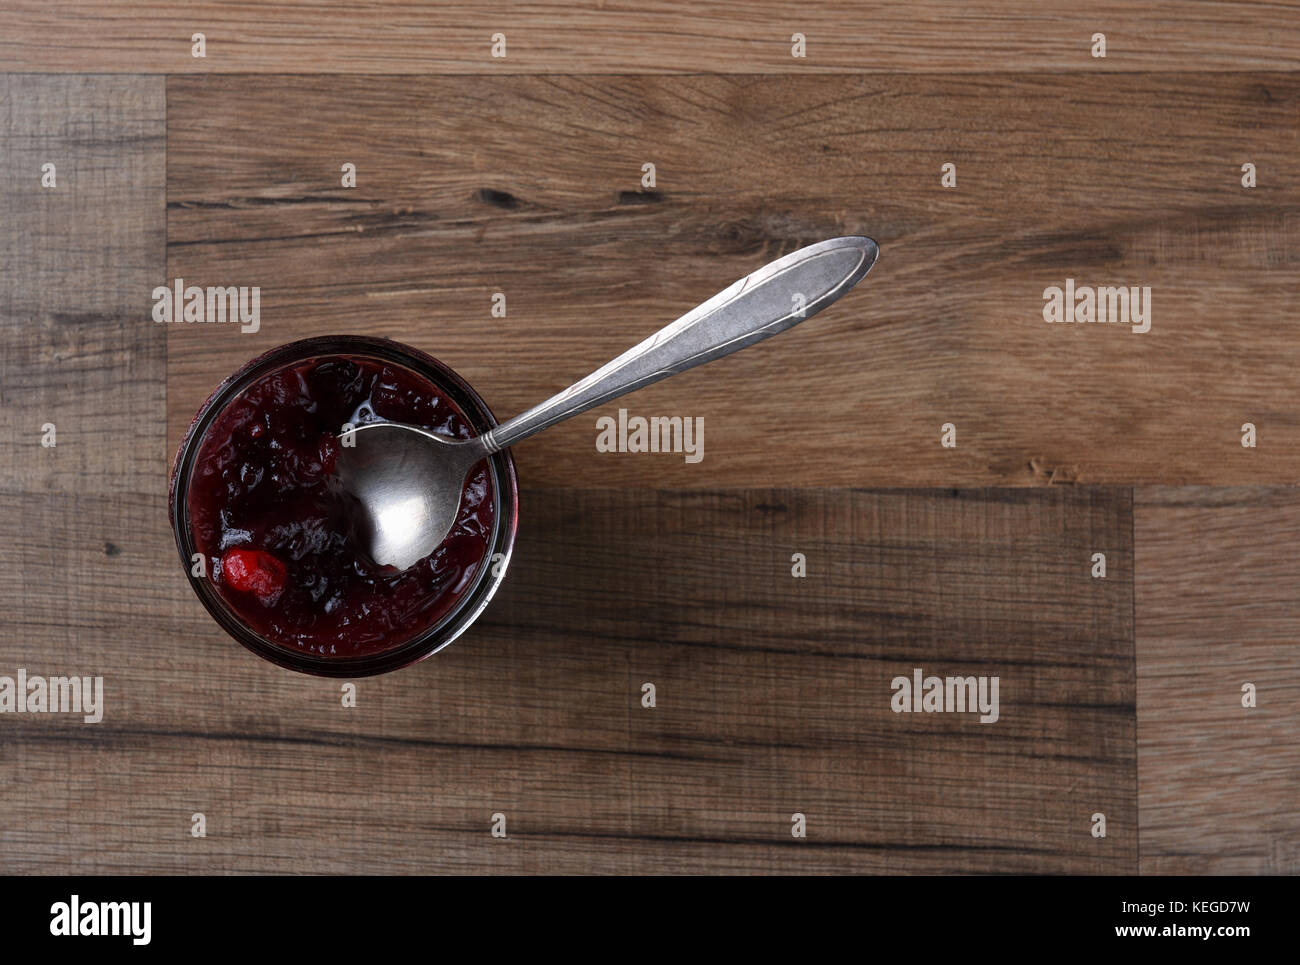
(263, 529)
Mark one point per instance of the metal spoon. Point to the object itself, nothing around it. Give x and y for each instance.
(408, 480)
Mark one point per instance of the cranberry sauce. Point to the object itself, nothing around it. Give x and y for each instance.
(268, 513)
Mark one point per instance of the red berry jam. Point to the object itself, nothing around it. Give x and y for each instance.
(269, 515)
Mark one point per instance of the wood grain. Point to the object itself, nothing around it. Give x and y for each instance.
(717, 36)
(77, 262)
(1218, 606)
(772, 698)
(531, 186)
(772, 692)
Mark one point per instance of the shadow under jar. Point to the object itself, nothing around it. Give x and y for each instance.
(254, 494)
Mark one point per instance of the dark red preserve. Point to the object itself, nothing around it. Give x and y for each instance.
(268, 513)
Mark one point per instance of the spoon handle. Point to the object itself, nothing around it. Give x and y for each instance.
(776, 297)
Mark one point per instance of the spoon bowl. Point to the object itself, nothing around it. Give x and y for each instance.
(407, 482)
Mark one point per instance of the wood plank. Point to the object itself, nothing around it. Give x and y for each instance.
(773, 696)
(719, 36)
(1218, 606)
(77, 263)
(531, 186)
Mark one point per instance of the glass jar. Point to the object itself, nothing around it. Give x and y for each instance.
(472, 599)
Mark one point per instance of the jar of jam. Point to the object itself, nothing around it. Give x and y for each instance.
(265, 531)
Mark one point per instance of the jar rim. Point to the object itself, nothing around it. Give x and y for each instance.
(504, 519)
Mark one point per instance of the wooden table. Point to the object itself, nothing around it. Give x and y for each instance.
(1120, 695)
